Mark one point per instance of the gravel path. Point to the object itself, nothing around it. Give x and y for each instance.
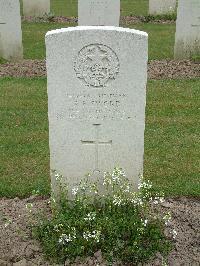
(163, 69)
(18, 249)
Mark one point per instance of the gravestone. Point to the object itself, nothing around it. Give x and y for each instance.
(96, 101)
(187, 40)
(36, 8)
(161, 7)
(98, 12)
(10, 30)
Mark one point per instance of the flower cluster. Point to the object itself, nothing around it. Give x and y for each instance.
(66, 238)
(90, 216)
(105, 214)
(95, 235)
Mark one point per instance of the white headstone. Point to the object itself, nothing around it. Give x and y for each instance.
(96, 96)
(10, 30)
(187, 40)
(36, 8)
(161, 7)
(98, 12)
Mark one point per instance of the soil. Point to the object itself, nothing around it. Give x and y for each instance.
(17, 248)
(123, 20)
(163, 69)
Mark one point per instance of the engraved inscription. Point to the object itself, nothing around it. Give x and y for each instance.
(96, 143)
(96, 65)
(101, 106)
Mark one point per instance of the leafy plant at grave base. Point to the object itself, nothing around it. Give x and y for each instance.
(2, 60)
(117, 221)
(164, 17)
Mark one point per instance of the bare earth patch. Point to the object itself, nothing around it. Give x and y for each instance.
(123, 20)
(17, 248)
(163, 69)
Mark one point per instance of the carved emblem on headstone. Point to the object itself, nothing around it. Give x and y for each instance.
(96, 65)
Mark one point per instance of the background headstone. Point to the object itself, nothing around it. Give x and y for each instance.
(98, 12)
(10, 30)
(36, 8)
(96, 100)
(161, 7)
(187, 40)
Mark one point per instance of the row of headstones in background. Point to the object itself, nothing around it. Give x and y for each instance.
(36, 8)
(187, 40)
(162, 7)
(98, 13)
(104, 12)
(11, 47)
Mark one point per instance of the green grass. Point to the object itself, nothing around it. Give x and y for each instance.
(172, 143)
(70, 7)
(24, 160)
(34, 38)
(161, 39)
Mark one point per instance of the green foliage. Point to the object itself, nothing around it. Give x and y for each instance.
(2, 60)
(105, 215)
(196, 58)
(164, 17)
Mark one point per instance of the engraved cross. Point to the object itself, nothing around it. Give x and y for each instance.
(96, 142)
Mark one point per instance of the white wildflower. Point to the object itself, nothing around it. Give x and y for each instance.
(167, 218)
(92, 235)
(58, 227)
(90, 216)
(162, 199)
(57, 176)
(74, 191)
(145, 222)
(9, 221)
(29, 207)
(174, 233)
(63, 239)
(106, 179)
(127, 189)
(145, 184)
(117, 200)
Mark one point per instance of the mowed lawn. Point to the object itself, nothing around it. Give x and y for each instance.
(161, 38)
(172, 143)
(70, 7)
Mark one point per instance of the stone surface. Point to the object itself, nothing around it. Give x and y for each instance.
(187, 40)
(98, 12)
(10, 30)
(160, 7)
(36, 8)
(96, 95)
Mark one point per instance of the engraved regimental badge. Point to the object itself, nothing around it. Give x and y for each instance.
(96, 65)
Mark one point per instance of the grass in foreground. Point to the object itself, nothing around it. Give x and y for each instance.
(172, 142)
(161, 38)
